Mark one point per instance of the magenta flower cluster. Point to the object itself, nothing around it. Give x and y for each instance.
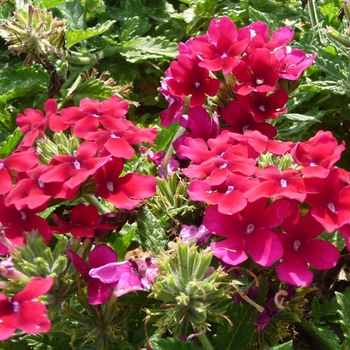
(229, 83)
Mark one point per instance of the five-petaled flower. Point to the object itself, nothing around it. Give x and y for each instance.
(23, 311)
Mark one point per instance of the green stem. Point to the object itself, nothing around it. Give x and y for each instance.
(317, 338)
(205, 342)
(91, 199)
(169, 152)
(90, 58)
(312, 8)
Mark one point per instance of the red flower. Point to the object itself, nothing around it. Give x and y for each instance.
(251, 230)
(331, 206)
(74, 170)
(241, 119)
(83, 222)
(318, 155)
(23, 311)
(190, 79)
(124, 192)
(301, 248)
(258, 71)
(228, 195)
(98, 291)
(264, 106)
(18, 222)
(274, 184)
(90, 114)
(15, 162)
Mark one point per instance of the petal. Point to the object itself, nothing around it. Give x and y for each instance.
(79, 264)
(36, 287)
(320, 254)
(111, 272)
(294, 270)
(127, 283)
(32, 317)
(231, 251)
(264, 246)
(98, 292)
(101, 255)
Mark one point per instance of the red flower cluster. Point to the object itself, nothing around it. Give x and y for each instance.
(89, 162)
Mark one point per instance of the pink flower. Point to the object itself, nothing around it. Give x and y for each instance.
(23, 311)
(259, 32)
(301, 248)
(124, 192)
(84, 220)
(293, 64)
(196, 235)
(98, 291)
(251, 230)
(129, 276)
(190, 79)
(220, 47)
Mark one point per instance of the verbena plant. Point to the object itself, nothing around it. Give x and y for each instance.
(174, 175)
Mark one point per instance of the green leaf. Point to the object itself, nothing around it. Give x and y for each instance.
(343, 313)
(301, 117)
(10, 144)
(151, 234)
(147, 48)
(123, 240)
(174, 344)
(284, 346)
(21, 82)
(73, 13)
(238, 338)
(52, 3)
(75, 36)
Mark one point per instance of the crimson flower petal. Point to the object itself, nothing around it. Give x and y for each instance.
(32, 317)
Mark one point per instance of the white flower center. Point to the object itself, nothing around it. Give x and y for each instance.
(250, 228)
(229, 189)
(331, 207)
(76, 165)
(110, 186)
(297, 244)
(262, 108)
(283, 183)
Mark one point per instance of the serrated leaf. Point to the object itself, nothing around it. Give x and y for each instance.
(10, 144)
(284, 346)
(343, 313)
(21, 82)
(146, 48)
(152, 235)
(238, 338)
(316, 310)
(174, 344)
(75, 36)
(73, 13)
